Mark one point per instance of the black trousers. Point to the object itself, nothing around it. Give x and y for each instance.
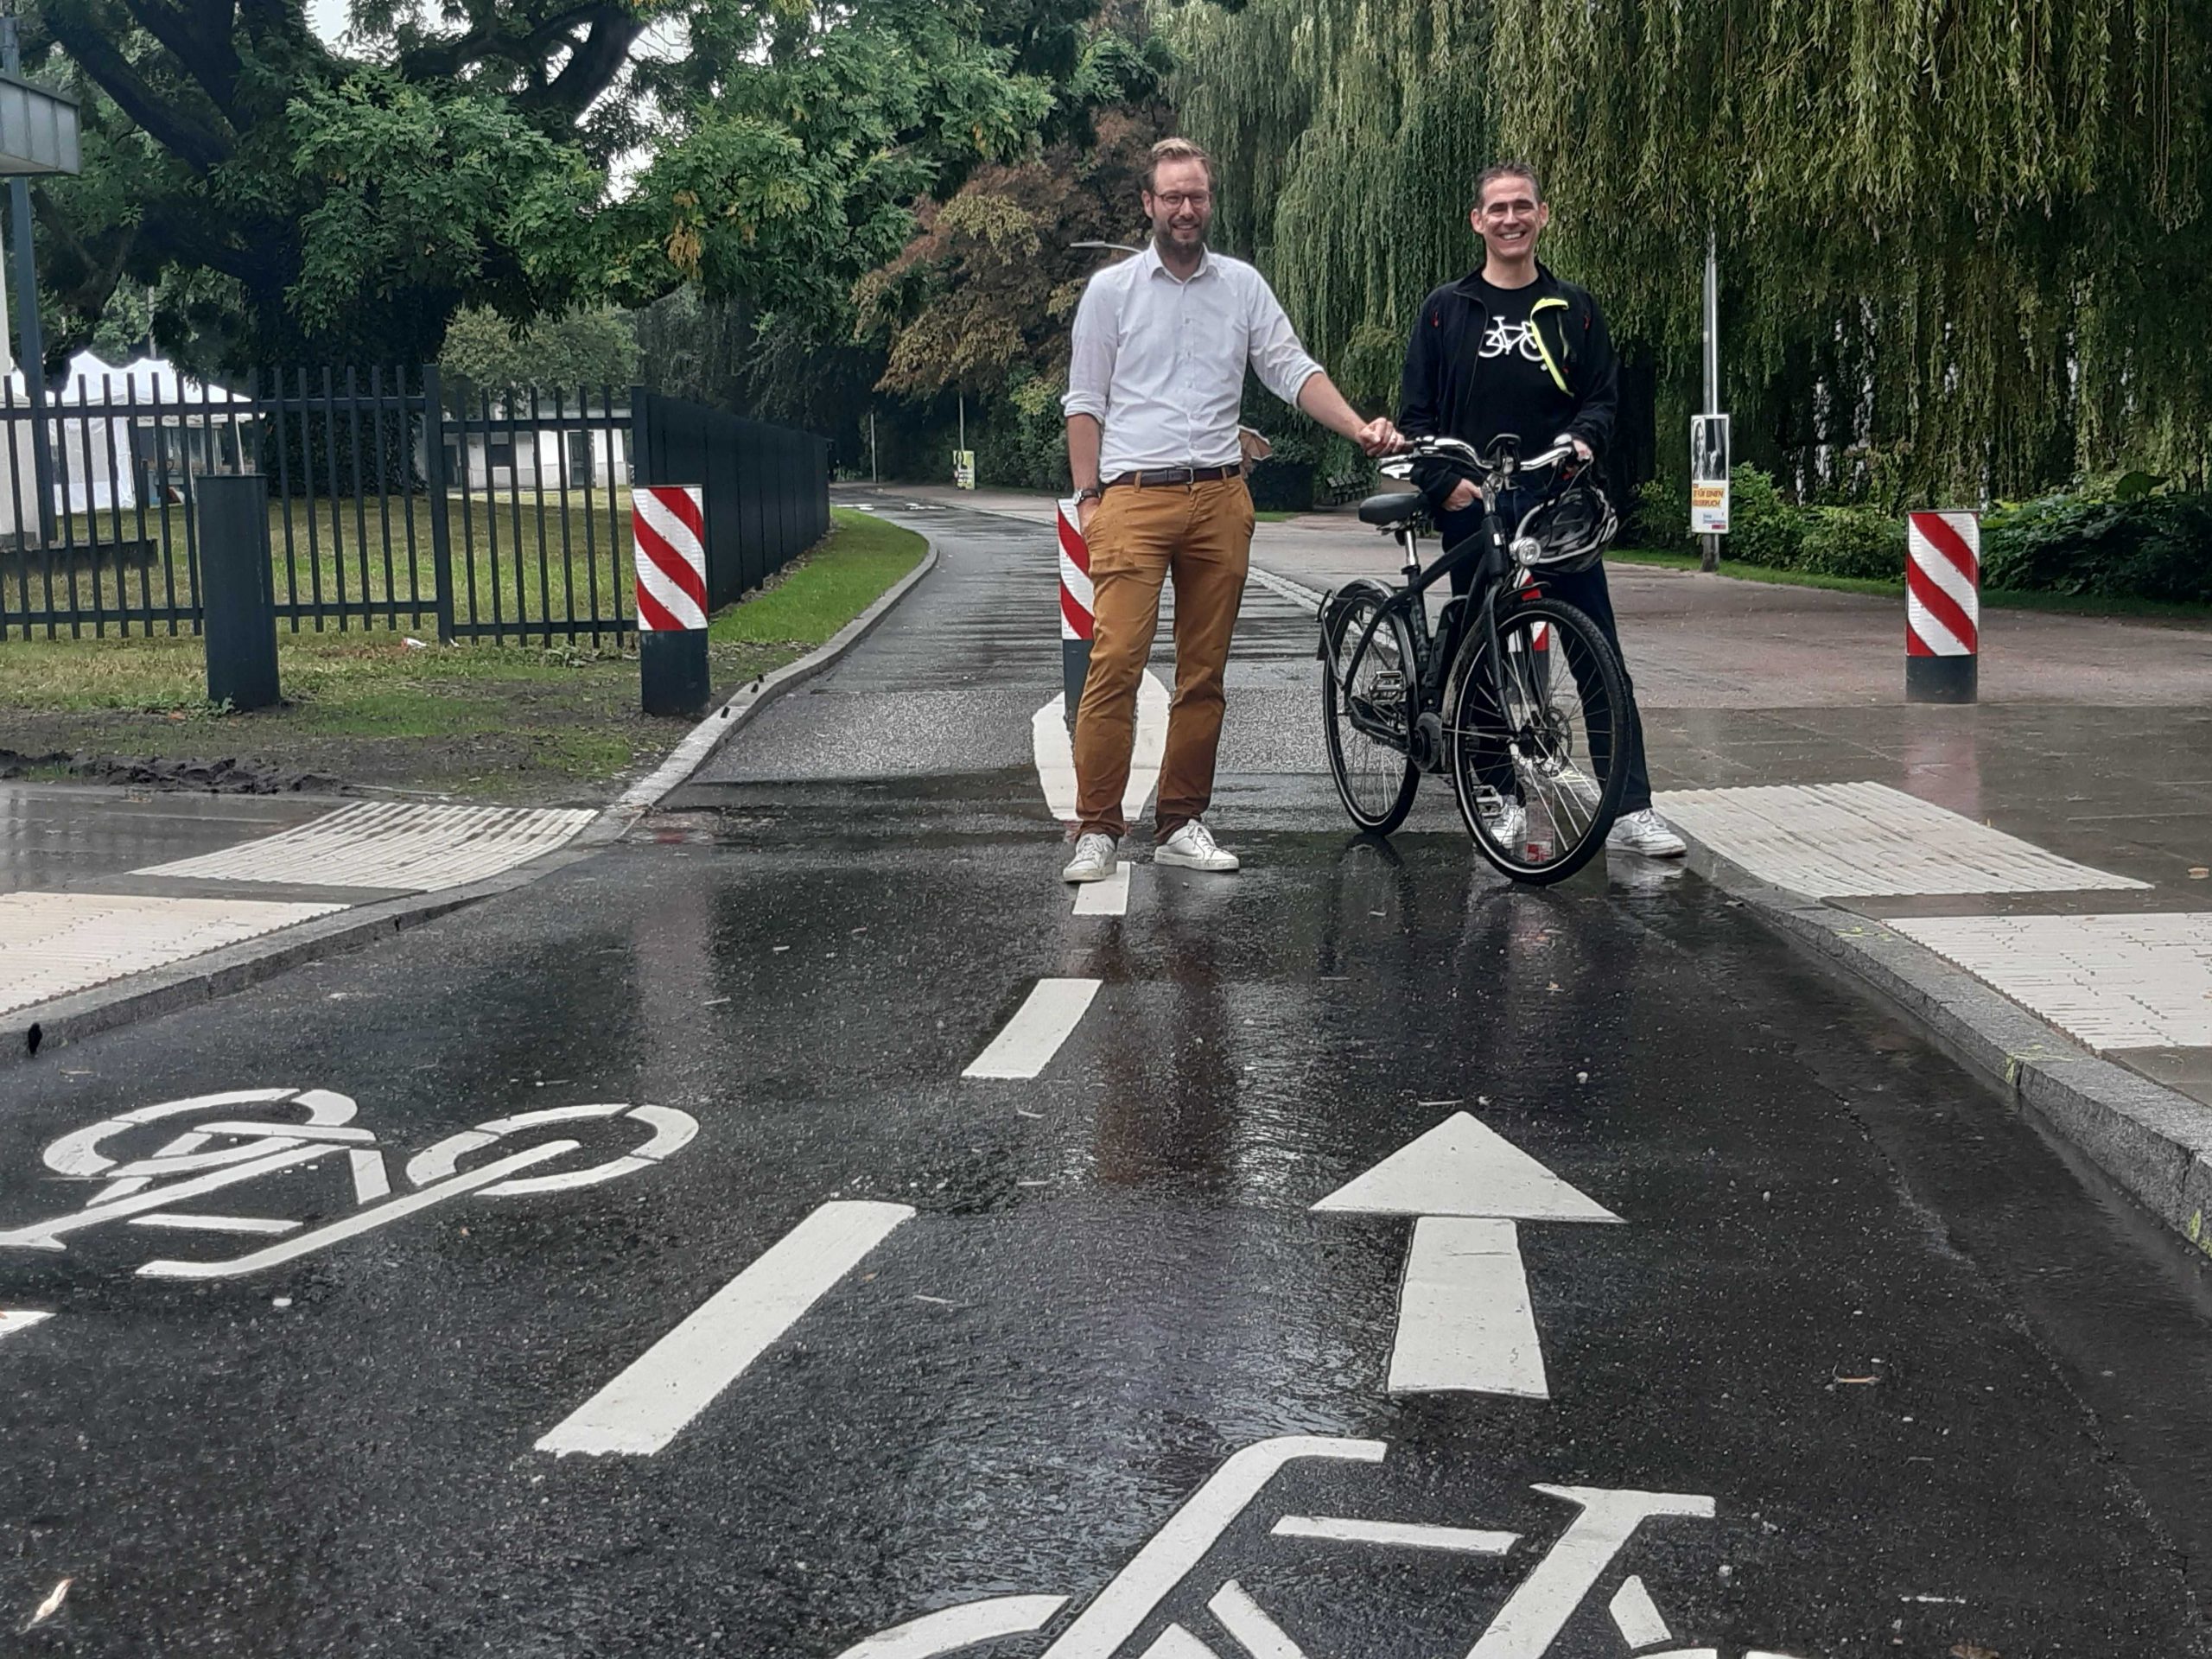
(1586, 591)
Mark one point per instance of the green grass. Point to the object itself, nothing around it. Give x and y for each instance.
(2003, 598)
(815, 598)
(1274, 515)
(502, 723)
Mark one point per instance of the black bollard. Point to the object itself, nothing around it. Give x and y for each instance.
(237, 597)
(672, 672)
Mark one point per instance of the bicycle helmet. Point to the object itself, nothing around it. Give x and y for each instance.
(1568, 529)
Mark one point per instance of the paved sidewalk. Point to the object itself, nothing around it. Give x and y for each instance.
(99, 884)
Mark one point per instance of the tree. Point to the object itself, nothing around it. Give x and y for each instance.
(343, 208)
(347, 206)
(1963, 247)
(989, 284)
(817, 357)
(486, 355)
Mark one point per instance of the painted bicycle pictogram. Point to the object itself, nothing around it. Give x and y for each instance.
(152, 1162)
(1532, 1619)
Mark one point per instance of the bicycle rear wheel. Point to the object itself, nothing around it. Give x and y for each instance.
(1533, 750)
(1367, 679)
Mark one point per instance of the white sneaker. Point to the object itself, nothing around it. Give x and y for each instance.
(1093, 860)
(1646, 832)
(1192, 848)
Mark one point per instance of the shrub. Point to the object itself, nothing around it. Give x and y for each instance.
(1659, 517)
(1763, 528)
(2133, 545)
(1851, 541)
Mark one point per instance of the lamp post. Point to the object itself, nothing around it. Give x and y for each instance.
(1709, 546)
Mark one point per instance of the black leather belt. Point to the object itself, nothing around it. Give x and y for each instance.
(1167, 475)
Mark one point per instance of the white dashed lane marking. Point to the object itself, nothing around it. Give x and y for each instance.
(672, 1381)
(1829, 840)
(1039, 1025)
(12, 1320)
(1107, 898)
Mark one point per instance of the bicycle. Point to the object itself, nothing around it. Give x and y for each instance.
(1573, 1570)
(1480, 697)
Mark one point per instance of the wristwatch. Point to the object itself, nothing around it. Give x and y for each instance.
(1094, 492)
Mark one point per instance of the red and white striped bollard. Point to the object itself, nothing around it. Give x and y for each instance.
(1942, 606)
(668, 525)
(1076, 622)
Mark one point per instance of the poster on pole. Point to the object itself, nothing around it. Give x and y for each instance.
(963, 469)
(1708, 474)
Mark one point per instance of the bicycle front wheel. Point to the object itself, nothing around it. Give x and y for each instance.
(1537, 743)
(1367, 679)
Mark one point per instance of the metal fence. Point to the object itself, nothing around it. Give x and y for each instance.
(394, 506)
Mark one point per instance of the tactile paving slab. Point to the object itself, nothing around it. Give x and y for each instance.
(1830, 841)
(401, 845)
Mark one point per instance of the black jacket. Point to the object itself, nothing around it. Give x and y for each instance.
(1442, 386)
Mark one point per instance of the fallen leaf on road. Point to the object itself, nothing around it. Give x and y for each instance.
(52, 1604)
(2198, 872)
(1968, 1650)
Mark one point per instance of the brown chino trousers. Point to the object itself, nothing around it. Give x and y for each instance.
(1200, 535)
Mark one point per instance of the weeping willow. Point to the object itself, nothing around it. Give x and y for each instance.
(1964, 244)
(1347, 132)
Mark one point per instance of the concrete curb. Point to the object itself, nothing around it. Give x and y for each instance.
(2155, 1141)
(718, 727)
(42, 1026)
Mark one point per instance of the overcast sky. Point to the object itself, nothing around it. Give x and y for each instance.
(328, 17)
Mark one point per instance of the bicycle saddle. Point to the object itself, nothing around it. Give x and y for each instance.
(1397, 507)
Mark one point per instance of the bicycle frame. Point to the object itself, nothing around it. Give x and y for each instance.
(1432, 655)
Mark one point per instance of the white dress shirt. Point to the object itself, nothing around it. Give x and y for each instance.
(1158, 362)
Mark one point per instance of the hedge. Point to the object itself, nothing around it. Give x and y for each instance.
(2131, 539)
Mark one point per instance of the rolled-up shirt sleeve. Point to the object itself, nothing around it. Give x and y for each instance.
(1284, 367)
(1091, 355)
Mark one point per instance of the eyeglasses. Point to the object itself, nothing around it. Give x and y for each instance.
(1174, 203)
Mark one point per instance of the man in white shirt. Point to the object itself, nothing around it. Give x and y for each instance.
(1154, 381)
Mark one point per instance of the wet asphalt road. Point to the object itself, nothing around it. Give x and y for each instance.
(1946, 1395)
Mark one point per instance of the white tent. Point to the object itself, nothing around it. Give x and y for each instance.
(106, 429)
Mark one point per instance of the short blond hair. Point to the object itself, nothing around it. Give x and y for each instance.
(1176, 150)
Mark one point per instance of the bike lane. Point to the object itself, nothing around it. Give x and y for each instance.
(1113, 1287)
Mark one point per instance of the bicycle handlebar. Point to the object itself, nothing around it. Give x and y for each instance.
(1501, 462)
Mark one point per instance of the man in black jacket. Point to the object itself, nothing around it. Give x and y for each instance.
(1510, 348)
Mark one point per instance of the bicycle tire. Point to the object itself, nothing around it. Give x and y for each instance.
(1551, 770)
(1374, 801)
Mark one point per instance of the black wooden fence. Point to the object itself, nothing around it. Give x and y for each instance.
(393, 505)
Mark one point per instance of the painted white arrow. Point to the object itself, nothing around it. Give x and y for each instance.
(1465, 1322)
